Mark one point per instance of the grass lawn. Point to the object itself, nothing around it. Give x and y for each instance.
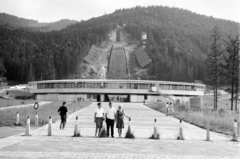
(19, 94)
(220, 121)
(14, 102)
(8, 116)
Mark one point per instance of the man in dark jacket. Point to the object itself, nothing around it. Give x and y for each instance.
(63, 112)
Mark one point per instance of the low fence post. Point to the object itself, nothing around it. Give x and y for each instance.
(235, 135)
(17, 119)
(155, 131)
(76, 130)
(50, 126)
(180, 137)
(239, 122)
(208, 133)
(36, 119)
(27, 131)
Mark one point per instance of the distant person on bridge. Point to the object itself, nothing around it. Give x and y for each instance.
(120, 119)
(110, 119)
(98, 119)
(167, 108)
(63, 112)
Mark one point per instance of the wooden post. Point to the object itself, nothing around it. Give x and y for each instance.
(27, 131)
(239, 121)
(36, 119)
(50, 126)
(17, 119)
(155, 132)
(208, 133)
(235, 135)
(180, 137)
(76, 131)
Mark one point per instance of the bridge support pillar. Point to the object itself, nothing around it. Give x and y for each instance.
(102, 97)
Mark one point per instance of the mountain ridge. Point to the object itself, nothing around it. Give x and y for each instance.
(177, 41)
(15, 22)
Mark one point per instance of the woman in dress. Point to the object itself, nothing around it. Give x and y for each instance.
(120, 119)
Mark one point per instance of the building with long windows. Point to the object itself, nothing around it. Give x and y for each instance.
(112, 90)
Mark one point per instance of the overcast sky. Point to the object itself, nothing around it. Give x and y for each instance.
(54, 10)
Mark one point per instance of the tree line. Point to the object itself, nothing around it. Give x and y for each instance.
(29, 56)
(223, 65)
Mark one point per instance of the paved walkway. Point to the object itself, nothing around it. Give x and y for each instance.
(63, 145)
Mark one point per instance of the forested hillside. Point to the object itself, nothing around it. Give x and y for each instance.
(177, 41)
(14, 22)
(27, 56)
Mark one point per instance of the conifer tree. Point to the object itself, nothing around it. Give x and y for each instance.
(214, 63)
(231, 68)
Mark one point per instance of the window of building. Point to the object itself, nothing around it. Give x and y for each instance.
(105, 85)
(52, 85)
(142, 86)
(62, 85)
(98, 85)
(88, 85)
(55, 85)
(48, 85)
(88, 96)
(79, 85)
(94, 96)
(74, 85)
(148, 86)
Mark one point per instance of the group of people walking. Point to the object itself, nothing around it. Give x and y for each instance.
(169, 109)
(111, 116)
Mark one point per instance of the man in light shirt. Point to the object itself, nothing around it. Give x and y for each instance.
(110, 119)
(98, 118)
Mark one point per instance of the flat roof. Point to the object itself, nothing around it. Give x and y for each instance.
(117, 81)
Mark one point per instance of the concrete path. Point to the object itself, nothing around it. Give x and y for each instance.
(62, 145)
